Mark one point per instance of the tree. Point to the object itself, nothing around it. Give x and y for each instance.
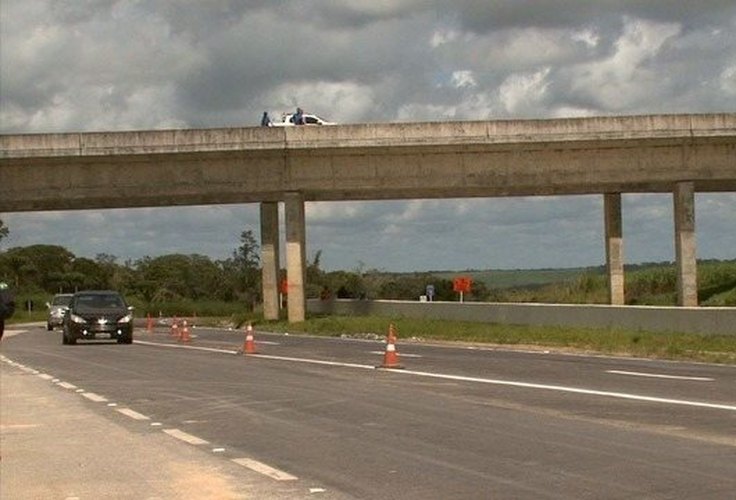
(242, 270)
(4, 231)
(179, 276)
(31, 267)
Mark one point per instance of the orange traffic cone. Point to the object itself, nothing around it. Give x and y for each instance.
(149, 323)
(175, 327)
(249, 347)
(391, 357)
(184, 335)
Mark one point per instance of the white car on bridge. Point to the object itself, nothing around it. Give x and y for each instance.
(288, 120)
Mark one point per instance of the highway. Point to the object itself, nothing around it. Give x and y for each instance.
(457, 422)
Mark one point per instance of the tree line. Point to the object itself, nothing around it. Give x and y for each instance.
(54, 269)
(49, 269)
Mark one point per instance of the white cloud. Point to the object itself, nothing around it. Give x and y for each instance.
(520, 93)
(626, 78)
(463, 78)
(441, 37)
(587, 36)
(728, 80)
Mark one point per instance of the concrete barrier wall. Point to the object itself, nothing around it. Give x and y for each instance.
(711, 320)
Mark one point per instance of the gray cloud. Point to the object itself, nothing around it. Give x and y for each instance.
(73, 65)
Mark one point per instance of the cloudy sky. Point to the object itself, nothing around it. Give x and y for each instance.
(90, 65)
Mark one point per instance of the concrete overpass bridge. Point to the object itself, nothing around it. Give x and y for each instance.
(678, 154)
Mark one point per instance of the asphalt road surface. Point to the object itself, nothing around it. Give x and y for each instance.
(457, 422)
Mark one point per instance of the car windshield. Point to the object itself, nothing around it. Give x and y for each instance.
(62, 300)
(99, 301)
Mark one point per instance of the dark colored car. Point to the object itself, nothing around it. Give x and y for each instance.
(96, 315)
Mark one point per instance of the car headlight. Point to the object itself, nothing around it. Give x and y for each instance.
(77, 319)
(126, 319)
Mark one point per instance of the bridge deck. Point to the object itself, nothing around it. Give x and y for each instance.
(369, 161)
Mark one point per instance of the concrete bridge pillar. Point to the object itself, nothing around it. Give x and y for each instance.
(685, 251)
(270, 259)
(614, 248)
(295, 256)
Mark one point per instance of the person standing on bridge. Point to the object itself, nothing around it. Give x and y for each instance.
(7, 305)
(298, 117)
(265, 120)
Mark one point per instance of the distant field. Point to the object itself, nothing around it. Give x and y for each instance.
(520, 278)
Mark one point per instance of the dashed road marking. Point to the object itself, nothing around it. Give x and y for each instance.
(402, 355)
(660, 375)
(67, 385)
(45, 376)
(133, 414)
(264, 469)
(183, 436)
(196, 348)
(94, 397)
(574, 390)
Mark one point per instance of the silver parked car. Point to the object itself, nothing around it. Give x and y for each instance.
(57, 308)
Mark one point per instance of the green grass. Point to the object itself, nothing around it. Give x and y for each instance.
(676, 346)
(511, 278)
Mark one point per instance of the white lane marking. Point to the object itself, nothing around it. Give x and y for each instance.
(196, 348)
(401, 354)
(183, 436)
(132, 414)
(264, 469)
(575, 390)
(67, 385)
(313, 361)
(94, 397)
(660, 375)
(267, 342)
(45, 376)
(218, 450)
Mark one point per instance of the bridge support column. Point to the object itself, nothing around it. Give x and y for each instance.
(685, 251)
(614, 248)
(295, 256)
(270, 259)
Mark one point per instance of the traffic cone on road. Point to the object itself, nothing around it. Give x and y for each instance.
(175, 327)
(184, 336)
(391, 356)
(149, 323)
(249, 347)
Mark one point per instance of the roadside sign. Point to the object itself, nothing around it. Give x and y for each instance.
(462, 284)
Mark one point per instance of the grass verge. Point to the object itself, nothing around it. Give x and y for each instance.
(674, 346)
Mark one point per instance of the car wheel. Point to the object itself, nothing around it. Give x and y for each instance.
(49, 327)
(128, 339)
(64, 340)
